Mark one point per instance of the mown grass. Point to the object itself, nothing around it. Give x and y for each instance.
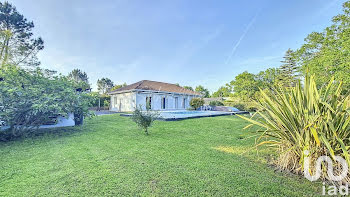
(109, 155)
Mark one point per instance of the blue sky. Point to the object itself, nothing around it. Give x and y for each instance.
(189, 42)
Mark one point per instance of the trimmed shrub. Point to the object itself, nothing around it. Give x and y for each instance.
(196, 103)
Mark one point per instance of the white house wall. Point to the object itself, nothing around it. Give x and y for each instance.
(123, 102)
(157, 100)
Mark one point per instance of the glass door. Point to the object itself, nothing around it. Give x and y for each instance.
(176, 102)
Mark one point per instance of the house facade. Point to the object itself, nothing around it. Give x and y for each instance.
(155, 95)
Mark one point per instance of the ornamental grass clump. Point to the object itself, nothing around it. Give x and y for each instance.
(304, 118)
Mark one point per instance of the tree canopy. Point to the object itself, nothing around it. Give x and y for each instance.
(223, 91)
(115, 87)
(326, 53)
(203, 91)
(80, 78)
(268, 78)
(32, 97)
(29, 98)
(289, 70)
(104, 85)
(188, 88)
(245, 85)
(17, 43)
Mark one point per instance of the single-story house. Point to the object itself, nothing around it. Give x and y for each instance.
(155, 95)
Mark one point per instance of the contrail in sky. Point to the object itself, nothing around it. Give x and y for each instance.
(241, 38)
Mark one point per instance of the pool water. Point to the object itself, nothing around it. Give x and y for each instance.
(168, 115)
(185, 112)
(181, 115)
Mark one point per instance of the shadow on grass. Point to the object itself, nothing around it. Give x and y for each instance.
(8, 135)
(264, 157)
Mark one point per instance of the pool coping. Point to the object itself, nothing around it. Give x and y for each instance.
(192, 117)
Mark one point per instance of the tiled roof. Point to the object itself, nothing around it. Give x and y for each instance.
(155, 86)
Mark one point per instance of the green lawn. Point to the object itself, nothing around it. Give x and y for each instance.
(109, 155)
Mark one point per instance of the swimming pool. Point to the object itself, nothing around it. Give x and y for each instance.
(181, 115)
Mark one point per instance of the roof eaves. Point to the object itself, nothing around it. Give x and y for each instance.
(122, 91)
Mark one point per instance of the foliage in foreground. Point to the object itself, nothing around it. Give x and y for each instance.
(29, 99)
(144, 119)
(305, 118)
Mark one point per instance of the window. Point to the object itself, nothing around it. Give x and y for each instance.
(176, 102)
(184, 103)
(115, 102)
(149, 102)
(163, 102)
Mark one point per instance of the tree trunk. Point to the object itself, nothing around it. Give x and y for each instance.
(5, 49)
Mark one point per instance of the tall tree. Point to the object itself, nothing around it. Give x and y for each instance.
(188, 88)
(115, 87)
(223, 91)
(80, 77)
(104, 85)
(17, 44)
(245, 86)
(326, 53)
(203, 91)
(289, 71)
(268, 78)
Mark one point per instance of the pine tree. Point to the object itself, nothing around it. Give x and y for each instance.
(289, 71)
(18, 45)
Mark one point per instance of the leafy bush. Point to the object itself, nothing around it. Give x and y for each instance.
(106, 103)
(144, 119)
(304, 118)
(196, 103)
(80, 106)
(240, 106)
(243, 106)
(216, 103)
(102, 98)
(29, 99)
